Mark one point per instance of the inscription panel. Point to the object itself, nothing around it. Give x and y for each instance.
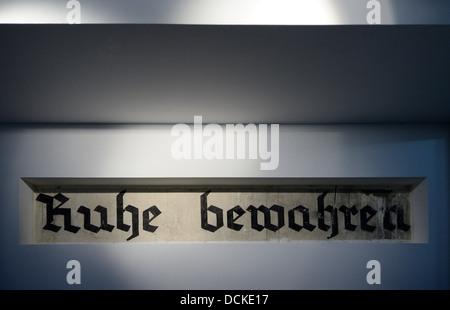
(222, 214)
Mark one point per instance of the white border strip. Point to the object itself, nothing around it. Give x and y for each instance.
(226, 12)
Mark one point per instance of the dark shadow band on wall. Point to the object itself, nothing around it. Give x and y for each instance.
(218, 184)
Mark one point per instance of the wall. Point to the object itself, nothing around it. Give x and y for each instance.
(305, 151)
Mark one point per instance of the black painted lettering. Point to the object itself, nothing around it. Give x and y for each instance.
(104, 218)
(348, 212)
(306, 224)
(204, 214)
(254, 218)
(279, 210)
(387, 223)
(231, 219)
(146, 218)
(212, 217)
(52, 211)
(87, 219)
(267, 217)
(134, 216)
(366, 214)
(321, 216)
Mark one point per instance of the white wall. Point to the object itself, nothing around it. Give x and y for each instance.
(305, 151)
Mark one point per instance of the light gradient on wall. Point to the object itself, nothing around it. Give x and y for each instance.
(305, 151)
